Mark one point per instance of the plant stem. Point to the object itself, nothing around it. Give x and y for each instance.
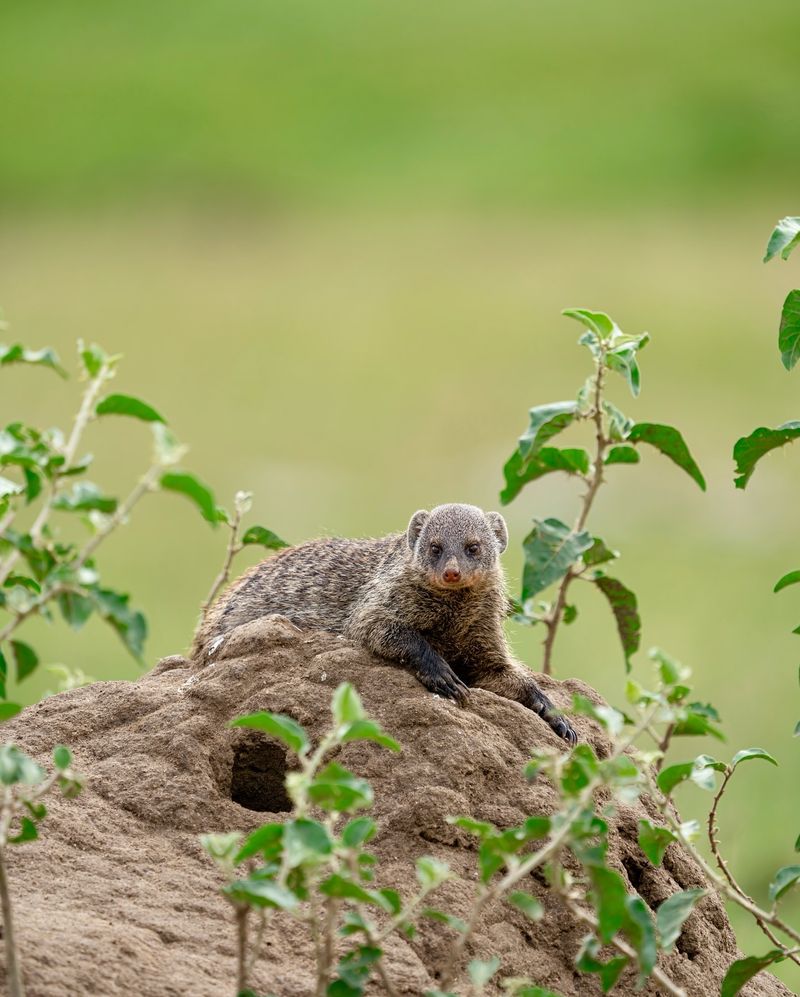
(225, 571)
(15, 987)
(522, 869)
(622, 946)
(738, 896)
(148, 483)
(556, 614)
(713, 840)
(82, 419)
(241, 947)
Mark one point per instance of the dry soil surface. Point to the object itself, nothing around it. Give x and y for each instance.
(118, 898)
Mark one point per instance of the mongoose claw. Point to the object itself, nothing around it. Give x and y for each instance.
(563, 728)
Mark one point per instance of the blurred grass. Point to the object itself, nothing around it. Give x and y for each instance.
(333, 242)
(517, 105)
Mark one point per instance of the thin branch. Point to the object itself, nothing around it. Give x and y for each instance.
(713, 840)
(722, 884)
(553, 619)
(622, 946)
(225, 571)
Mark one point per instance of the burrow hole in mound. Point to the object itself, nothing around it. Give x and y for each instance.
(258, 776)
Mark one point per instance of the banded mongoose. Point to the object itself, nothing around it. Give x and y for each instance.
(431, 599)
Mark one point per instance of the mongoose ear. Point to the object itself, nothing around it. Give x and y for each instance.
(499, 528)
(418, 520)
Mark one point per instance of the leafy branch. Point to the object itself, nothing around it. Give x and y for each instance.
(554, 552)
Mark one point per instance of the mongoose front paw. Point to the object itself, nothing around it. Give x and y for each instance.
(449, 685)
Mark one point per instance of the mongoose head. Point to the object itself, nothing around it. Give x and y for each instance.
(456, 546)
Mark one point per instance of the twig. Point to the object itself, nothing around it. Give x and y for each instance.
(713, 840)
(15, 987)
(224, 574)
(622, 946)
(241, 947)
(556, 614)
(722, 884)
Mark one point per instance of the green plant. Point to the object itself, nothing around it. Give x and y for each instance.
(24, 785)
(316, 869)
(556, 553)
(45, 564)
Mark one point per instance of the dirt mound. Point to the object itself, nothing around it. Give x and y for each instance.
(118, 898)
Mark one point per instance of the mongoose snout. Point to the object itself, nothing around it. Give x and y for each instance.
(432, 600)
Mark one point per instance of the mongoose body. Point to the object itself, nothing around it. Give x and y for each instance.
(432, 599)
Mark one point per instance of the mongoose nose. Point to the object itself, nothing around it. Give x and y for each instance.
(451, 574)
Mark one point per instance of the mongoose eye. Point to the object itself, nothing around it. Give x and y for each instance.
(436, 550)
(473, 548)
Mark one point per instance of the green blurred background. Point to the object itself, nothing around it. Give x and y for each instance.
(333, 241)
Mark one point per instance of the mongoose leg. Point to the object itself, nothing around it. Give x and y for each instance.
(514, 681)
(410, 649)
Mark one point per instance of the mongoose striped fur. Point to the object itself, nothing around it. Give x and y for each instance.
(432, 600)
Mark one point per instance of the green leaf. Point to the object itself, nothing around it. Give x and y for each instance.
(622, 455)
(654, 841)
(597, 322)
(354, 971)
(622, 359)
(266, 841)
(41, 358)
(25, 657)
(579, 770)
(481, 971)
(747, 753)
(784, 238)
(128, 405)
(749, 450)
(284, 728)
(481, 828)
(610, 895)
(3, 676)
(672, 913)
(610, 719)
(624, 607)
(27, 832)
(92, 359)
(745, 969)
(221, 847)
(346, 705)
(261, 893)
(305, 839)
(792, 578)
(551, 549)
(432, 872)
(588, 961)
(85, 497)
(519, 472)
(785, 879)
(789, 332)
(358, 832)
(669, 442)
(76, 609)
(367, 730)
(129, 624)
(619, 425)
(336, 789)
(9, 710)
(530, 906)
(264, 538)
(642, 934)
(62, 757)
(16, 766)
(9, 487)
(670, 777)
(598, 553)
(546, 421)
(193, 489)
(346, 889)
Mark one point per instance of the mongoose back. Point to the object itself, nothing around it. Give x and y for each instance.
(432, 600)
